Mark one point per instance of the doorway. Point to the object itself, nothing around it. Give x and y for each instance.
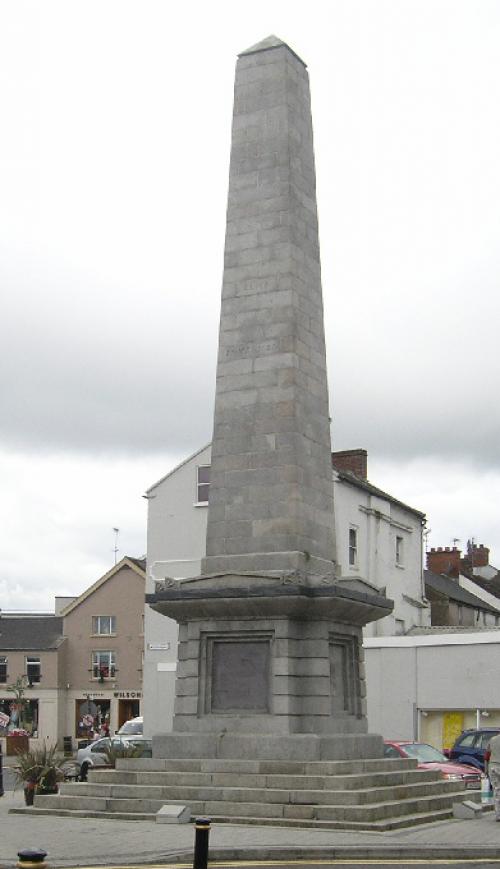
(127, 709)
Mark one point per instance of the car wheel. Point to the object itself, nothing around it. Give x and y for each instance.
(84, 769)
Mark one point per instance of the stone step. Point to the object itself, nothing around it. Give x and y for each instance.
(382, 826)
(374, 826)
(93, 803)
(231, 779)
(188, 793)
(361, 814)
(267, 767)
(358, 795)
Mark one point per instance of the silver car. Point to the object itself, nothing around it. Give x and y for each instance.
(95, 754)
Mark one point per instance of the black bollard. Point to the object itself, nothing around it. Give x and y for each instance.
(1, 773)
(30, 858)
(202, 833)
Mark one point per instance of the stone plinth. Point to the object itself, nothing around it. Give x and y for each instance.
(260, 654)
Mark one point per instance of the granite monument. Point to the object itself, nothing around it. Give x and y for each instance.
(270, 634)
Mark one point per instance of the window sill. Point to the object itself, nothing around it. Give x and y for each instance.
(200, 504)
(102, 636)
(399, 566)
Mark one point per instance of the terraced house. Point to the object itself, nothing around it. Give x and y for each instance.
(81, 666)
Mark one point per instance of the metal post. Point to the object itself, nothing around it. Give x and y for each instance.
(202, 833)
(31, 859)
(1, 773)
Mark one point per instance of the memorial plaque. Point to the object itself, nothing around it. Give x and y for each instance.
(240, 676)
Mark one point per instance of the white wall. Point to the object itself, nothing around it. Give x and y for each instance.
(378, 522)
(436, 673)
(176, 544)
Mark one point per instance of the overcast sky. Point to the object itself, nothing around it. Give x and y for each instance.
(114, 149)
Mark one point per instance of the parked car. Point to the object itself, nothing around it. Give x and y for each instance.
(132, 727)
(95, 754)
(472, 745)
(429, 757)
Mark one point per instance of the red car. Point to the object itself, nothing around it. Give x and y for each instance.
(430, 758)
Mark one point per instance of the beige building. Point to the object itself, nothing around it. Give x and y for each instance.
(104, 630)
(82, 666)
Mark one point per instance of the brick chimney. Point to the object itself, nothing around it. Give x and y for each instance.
(477, 556)
(355, 461)
(446, 561)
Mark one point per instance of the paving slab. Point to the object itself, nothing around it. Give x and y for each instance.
(93, 842)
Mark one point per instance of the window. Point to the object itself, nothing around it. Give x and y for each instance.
(103, 665)
(390, 751)
(3, 669)
(13, 718)
(202, 484)
(399, 627)
(100, 746)
(399, 551)
(353, 547)
(104, 625)
(33, 670)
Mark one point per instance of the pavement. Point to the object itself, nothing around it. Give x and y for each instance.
(92, 842)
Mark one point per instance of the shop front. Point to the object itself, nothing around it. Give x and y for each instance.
(92, 717)
(100, 713)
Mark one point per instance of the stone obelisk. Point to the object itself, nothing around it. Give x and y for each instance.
(271, 496)
(269, 635)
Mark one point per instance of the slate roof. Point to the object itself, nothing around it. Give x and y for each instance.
(354, 480)
(492, 585)
(139, 562)
(37, 633)
(449, 587)
(452, 629)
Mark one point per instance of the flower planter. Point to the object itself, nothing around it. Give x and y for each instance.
(15, 744)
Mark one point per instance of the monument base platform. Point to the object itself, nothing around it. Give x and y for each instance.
(268, 746)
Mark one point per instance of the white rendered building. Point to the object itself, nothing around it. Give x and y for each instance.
(379, 539)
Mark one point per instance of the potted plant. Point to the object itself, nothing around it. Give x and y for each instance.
(39, 770)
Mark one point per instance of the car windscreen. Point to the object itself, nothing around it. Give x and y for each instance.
(131, 727)
(424, 753)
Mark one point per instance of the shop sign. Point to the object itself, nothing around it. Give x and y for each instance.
(159, 647)
(128, 695)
